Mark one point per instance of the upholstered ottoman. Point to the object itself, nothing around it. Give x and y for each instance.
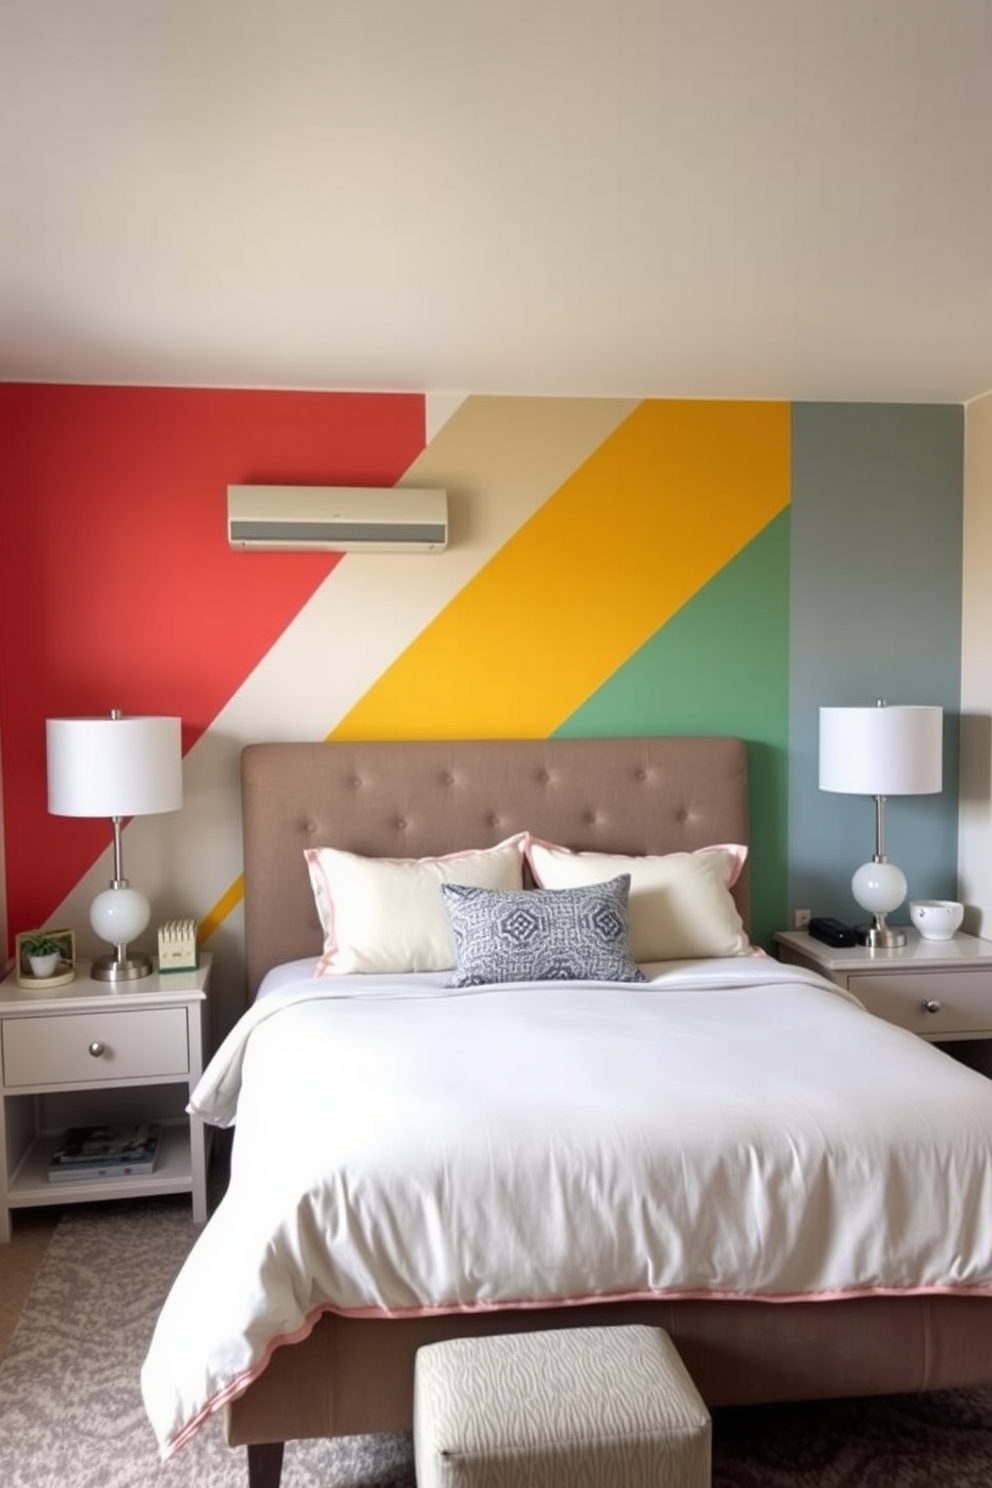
(573, 1408)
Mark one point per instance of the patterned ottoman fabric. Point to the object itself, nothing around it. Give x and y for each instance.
(575, 1408)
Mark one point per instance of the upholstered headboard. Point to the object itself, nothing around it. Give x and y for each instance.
(412, 799)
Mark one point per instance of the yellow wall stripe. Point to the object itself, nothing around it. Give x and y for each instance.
(663, 503)
(216, 916)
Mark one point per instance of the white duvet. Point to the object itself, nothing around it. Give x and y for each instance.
(731, 1129)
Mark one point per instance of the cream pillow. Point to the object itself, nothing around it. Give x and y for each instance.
(680, 905)
(387, 914)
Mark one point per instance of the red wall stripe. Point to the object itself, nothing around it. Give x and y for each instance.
(117, 587)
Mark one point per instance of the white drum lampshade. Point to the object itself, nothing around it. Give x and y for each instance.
(881, 752)
(116, 767)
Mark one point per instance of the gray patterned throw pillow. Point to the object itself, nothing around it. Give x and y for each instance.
(540, 935)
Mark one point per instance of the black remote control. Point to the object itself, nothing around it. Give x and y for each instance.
(831, 932)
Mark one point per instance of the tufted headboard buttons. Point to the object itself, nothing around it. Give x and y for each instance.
(425, 797)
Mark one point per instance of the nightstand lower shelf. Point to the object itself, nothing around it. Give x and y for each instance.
(173, 1173)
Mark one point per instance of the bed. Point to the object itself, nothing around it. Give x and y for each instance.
(350, 1370)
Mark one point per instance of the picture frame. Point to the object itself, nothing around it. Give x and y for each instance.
(65, 970)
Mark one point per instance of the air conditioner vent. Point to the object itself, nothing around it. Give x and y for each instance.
(345, 519)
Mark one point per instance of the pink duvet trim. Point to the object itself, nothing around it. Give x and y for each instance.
(238, 1386)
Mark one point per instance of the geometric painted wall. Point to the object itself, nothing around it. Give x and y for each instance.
(615, 566)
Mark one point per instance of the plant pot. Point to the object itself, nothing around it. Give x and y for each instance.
(44, 966)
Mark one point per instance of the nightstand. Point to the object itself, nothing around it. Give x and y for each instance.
(94, 1052)
(939, 989)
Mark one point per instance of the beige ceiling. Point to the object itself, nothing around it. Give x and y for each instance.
(706, 198)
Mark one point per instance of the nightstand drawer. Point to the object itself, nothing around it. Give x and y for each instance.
(90, 1047)
(929, 1003)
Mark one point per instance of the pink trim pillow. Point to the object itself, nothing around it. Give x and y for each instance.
(680, 904)
(387, 914)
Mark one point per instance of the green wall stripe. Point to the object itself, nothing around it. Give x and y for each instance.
(721, 666)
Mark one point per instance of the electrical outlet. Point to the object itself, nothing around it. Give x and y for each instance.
(802, 919)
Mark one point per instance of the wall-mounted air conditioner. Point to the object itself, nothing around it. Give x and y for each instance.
(343, 519)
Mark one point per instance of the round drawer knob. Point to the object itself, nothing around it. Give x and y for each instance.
(97, 1048)
(931, 1005)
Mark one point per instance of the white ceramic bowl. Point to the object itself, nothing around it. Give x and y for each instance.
(936, 919)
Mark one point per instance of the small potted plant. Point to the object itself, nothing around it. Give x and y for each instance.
(43, 952)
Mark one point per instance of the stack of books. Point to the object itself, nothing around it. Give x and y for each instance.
(104, 1152)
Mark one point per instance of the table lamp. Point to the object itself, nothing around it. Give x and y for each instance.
(117, 767)
(881, 752)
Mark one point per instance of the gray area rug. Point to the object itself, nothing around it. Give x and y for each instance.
(71, 1414)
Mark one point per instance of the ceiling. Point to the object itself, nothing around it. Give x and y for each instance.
(673, 198)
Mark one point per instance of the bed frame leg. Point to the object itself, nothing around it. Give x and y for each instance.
(265, 1464)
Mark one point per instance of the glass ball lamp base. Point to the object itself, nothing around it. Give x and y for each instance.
(879, 887)
(119, 915)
